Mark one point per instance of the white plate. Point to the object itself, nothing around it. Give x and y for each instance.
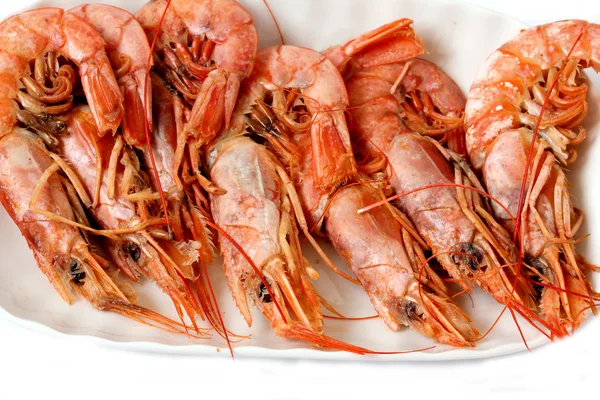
(459, 38)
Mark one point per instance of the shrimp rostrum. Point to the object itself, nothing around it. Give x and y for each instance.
(536, 79)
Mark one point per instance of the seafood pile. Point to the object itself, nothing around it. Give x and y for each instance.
(157, 145)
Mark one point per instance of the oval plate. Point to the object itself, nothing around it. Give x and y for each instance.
(459, 38)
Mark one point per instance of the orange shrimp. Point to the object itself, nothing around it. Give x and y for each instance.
(30, 190)
(130, 52)
(258, 214)
(523, 112)
(424, 97)
(205, 48)
(33, 95)
(455, 221)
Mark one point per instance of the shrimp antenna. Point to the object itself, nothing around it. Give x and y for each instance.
(163, 200)
(275, 20)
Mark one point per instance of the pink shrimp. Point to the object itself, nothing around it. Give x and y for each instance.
(536, 78)
(123, 202)
(47, 37)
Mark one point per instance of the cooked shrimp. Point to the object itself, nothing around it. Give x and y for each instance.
(537, 77)
(137, 252)
(257, 213)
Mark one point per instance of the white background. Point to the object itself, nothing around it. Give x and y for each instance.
(35, 366)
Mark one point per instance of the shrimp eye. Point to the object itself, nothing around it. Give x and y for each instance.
(538, 264)
(412, 311)
(263, 294)
(542, 268)
(133, 250)
(469, 255)
(78, 275)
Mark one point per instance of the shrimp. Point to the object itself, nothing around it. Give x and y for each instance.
(27, 183)
(381, 263)
(435, 187)
(128, 50)
(387, 261)
(37, 79)
(204, 49)
(137, 252)
(537, 78)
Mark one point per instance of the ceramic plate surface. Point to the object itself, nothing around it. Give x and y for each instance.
(458, 38)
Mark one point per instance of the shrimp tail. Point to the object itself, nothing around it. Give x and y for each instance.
(393, 42)
(209, 108)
